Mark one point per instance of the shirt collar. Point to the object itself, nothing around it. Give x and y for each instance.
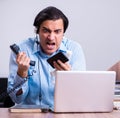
(62, 47)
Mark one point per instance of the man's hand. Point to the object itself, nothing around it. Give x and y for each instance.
(59, 65)
(23, 64)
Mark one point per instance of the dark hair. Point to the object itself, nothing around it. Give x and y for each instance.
(50, 13)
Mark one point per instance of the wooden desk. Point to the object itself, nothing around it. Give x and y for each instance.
(4, 113)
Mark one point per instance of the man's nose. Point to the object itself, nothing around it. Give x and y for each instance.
(51, 36)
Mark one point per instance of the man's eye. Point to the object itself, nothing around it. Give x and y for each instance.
(45, 30)
(58, 31)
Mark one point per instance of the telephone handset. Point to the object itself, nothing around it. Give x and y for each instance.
(15, 48)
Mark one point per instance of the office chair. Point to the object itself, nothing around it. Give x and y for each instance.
(5, 101)
(8, 102)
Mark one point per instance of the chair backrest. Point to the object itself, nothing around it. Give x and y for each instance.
(4, 101)
(3, 87)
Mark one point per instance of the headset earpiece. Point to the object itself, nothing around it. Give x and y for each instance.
(35, 30)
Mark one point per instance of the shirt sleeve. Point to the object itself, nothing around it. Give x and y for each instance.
(15, 82)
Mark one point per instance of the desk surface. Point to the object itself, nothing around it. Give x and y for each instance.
(6, 114)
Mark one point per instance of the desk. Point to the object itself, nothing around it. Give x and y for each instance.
(4, 113)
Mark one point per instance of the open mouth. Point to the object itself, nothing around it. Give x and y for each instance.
(48, 43)
(50, 46)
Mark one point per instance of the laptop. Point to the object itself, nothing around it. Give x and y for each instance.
(84, 91)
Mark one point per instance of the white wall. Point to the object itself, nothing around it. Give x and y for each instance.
(95, 24)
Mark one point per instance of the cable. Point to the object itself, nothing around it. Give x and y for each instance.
(5, 94)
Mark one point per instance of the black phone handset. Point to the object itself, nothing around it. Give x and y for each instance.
(15, 48)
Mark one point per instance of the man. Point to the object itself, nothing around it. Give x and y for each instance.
(50, 25)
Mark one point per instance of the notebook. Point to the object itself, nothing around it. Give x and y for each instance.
(84, 91)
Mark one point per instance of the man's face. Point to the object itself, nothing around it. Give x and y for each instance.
(51, 33)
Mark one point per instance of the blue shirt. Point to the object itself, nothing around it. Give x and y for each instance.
(39, 88)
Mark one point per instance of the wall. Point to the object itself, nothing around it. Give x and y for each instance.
(95, 24)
